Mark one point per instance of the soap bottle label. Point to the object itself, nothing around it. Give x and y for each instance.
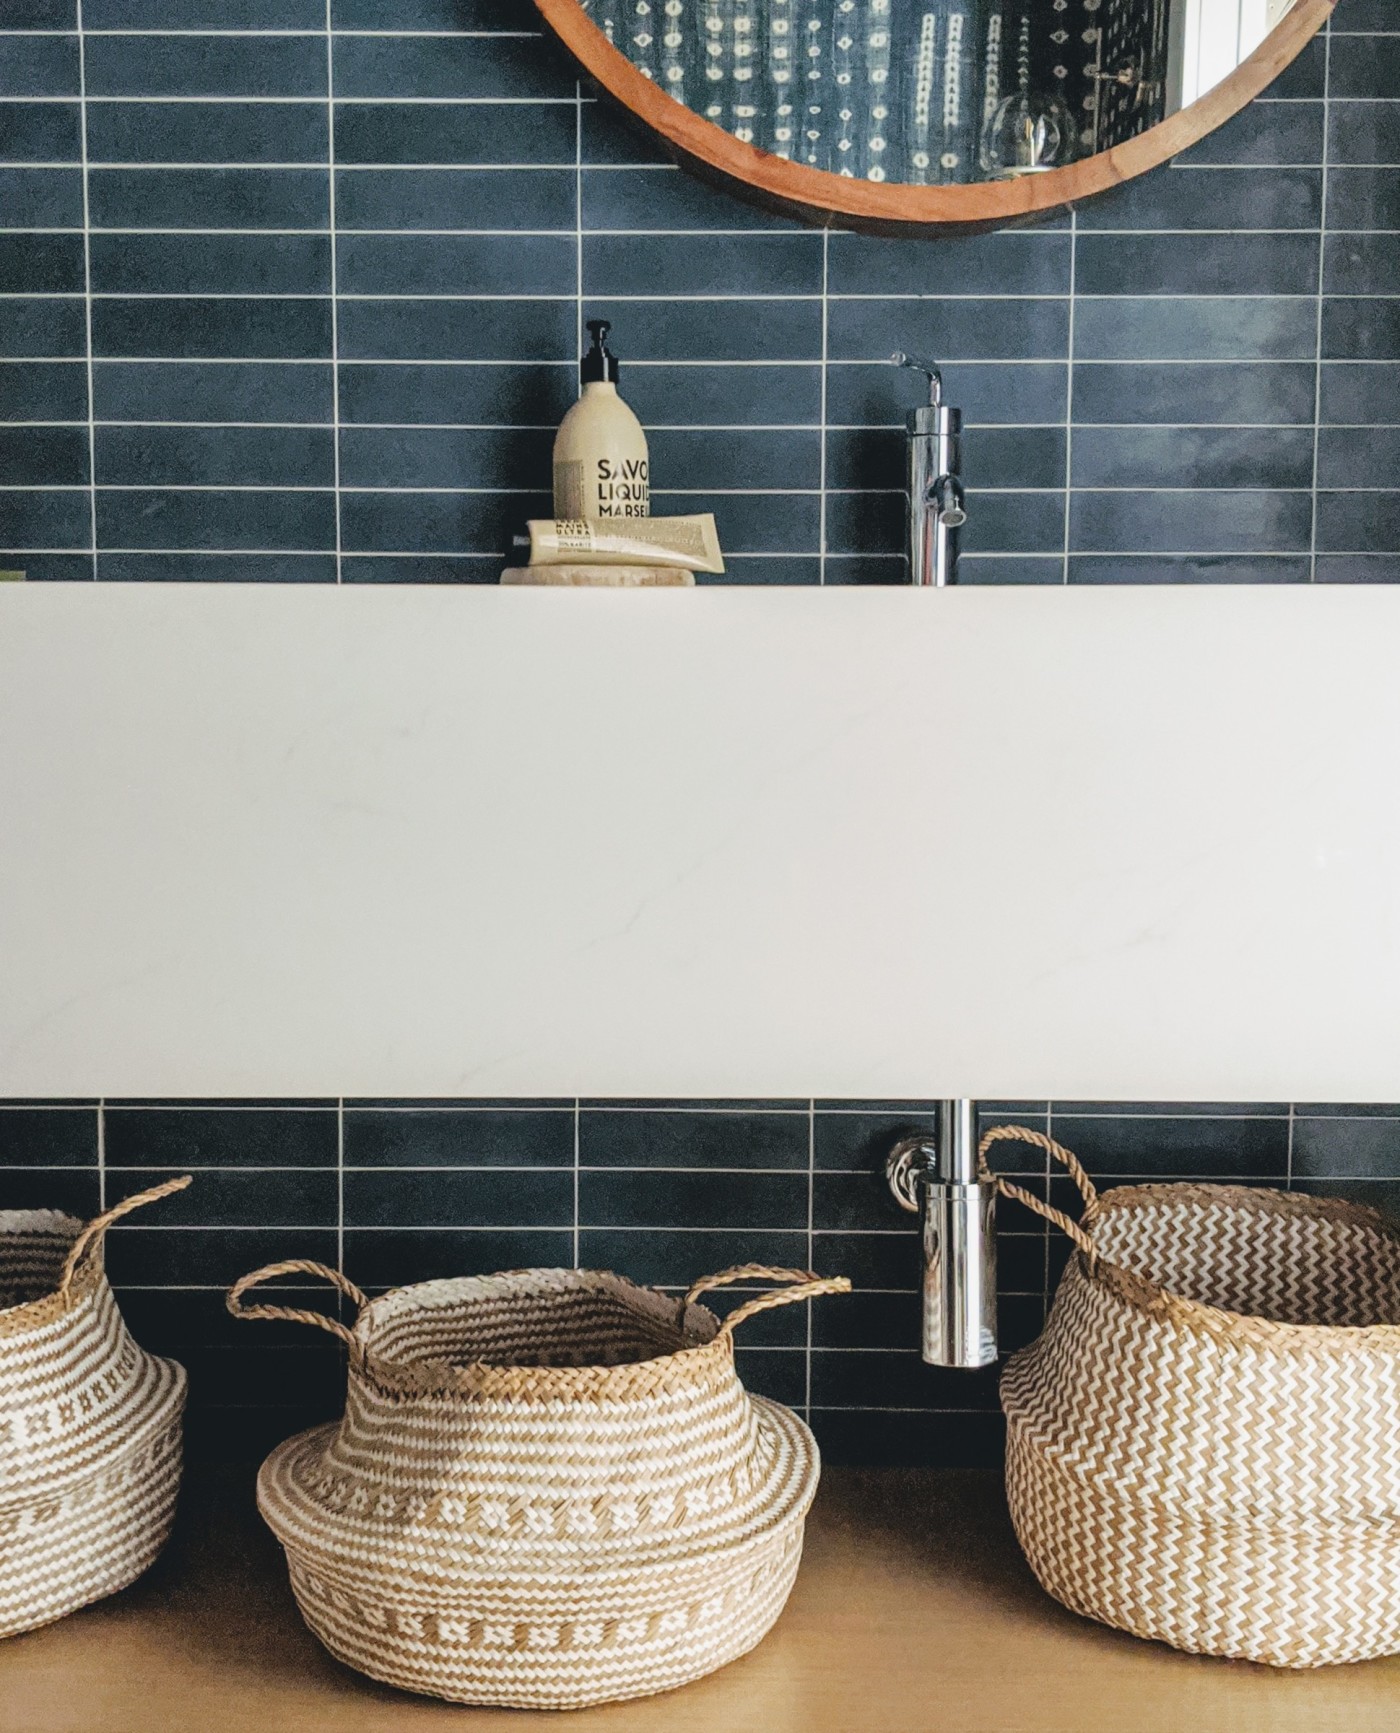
(624, 487)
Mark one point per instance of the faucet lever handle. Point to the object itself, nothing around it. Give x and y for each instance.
(931, 371)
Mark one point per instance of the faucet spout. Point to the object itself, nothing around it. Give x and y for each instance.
(937, 507)
(937, 1178)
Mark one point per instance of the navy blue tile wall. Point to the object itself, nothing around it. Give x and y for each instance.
(404, 1191)
(293, 292)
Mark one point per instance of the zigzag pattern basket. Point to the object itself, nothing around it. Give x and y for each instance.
(89, 1422)
(1204, 1445)
(549, 1488)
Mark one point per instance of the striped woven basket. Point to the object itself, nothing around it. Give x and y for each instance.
(89, 1423)
(1204, 1445)
(549, 1488)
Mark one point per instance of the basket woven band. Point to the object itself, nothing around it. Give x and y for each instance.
(808, 1285)
(97, 1227)
(296, 1314)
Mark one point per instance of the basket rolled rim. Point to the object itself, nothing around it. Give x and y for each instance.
(700, 1350)
(1242, 1328)
(48, 1224)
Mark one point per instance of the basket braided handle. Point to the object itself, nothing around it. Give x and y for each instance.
(806, 1285)
(98, 1226)
(1076, 1230)
(296, 1314)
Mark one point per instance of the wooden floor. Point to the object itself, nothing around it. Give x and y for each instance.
(913, 1611)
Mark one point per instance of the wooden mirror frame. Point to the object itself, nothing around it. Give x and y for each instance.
(817, 195)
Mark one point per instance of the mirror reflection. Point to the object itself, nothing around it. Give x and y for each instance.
(936, 92)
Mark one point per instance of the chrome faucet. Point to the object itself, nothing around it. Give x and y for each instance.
(937, 506)
(936, 1178)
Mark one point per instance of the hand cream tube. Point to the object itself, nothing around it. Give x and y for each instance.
(691, 542)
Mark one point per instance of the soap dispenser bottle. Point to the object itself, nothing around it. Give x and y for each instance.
(600, 451)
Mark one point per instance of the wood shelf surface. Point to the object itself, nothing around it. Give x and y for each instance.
(913, 1610)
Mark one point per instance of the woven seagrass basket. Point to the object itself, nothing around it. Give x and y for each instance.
(549, 1488)
(1204, 1445)
(89, 1423)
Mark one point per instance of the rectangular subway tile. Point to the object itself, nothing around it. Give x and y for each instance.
(1344, 1148)
(460, 1197)
(245, 65)
(76, 1191)
(435, 330)
(646, 1198)
(1364, 133)
(701, 264)
(1210, 201)
(450, 65)
(506, 393)
(421, 133)
(183, 391)
(207, 1257)
(44, 520)
(408, 264)
(1130, 568)
(1193, 457)
(43, 457)
(270, 328)
(47, 132)
(466, 1138)
(207, 132)
(38, 65)
(1179, 1147)
(209, 198)
(1220, 520)
(1202, 328)
(1358, 522)
(1206, 264)
(209, 518)
(215, 456)
(676, 1257)
(189, 1135)
(874, 394)
(47, 1137)
(237, 1197)
(446, 457)
(982, 330)
(388, 1258)
(663, 1137)
(1195, 393)
(487, 198)
(221, 568)
(41, 198)
(188, 264)
(38, 327)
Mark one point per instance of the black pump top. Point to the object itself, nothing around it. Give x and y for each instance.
(599, 363)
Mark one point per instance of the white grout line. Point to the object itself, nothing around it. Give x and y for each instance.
(340, 1185)
(1069, 392)
(811, 1249)
(825, 430)
(101, 1154)
(576, 1184)
(335, 284)
(87, 285)
(1321, 307)
(578, 222)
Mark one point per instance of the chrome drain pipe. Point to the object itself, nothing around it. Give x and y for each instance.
(936, 1178)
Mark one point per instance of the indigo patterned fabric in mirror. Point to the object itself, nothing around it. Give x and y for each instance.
(921, 92)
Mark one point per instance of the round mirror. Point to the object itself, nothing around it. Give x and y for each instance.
(929, 111)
